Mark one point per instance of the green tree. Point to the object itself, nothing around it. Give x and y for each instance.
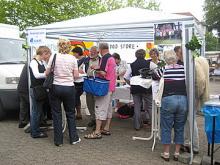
(212, 14)
(26, 13)
(212, 43)
(116, 4)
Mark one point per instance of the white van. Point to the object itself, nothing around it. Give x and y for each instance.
(12, 59)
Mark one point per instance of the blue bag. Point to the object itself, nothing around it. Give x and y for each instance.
(96, 86)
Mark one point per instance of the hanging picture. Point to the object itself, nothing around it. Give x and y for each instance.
(168, 33)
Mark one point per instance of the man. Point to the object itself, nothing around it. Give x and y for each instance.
(103, 104)
(179, 54)
(91, 62)
(140, 94)
(24, 114)
(178, 51)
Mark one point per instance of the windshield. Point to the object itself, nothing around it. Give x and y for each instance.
(11, 51)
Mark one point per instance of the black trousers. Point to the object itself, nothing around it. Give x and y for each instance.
(24, 114)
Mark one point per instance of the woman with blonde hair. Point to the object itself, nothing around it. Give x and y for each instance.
(37, 75)
(173, 105)
(63, 91)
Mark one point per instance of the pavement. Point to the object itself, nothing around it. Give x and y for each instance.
(18, 148)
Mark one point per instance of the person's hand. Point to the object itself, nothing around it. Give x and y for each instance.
(94, 67)
(81, 71)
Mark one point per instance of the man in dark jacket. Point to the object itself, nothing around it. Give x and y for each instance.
(23, 94)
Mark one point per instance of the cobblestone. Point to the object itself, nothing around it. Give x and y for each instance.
(18, 148)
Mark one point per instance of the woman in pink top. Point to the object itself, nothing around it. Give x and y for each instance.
(63, 91)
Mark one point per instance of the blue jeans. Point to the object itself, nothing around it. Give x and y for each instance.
(173, 114)
(35, 115)
(66, 95)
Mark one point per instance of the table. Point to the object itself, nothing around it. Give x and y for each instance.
(211, 109)
(123, 93)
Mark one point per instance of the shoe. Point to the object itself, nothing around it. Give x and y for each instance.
(27, 129)
(45, 125)
(165, 156)
(187, 149)
(22, 125)
(58, 145)
(79, 117)
(78, 141)
(41, 135)
(195, 152)
(176, 156)
(91, 123)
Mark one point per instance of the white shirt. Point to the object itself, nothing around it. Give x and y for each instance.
(127, 75)
(80, 78)
(34, 68)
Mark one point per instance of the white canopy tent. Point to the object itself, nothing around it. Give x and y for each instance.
(126, 24)
(129, 25)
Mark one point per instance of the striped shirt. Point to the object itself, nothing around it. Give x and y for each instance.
(174, 80)
(65, 65)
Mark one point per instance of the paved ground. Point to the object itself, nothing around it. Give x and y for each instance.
(17, 148)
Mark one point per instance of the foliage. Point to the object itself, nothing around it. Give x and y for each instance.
(26, 13)
(194, 45)
(212, 43)
(212, 13)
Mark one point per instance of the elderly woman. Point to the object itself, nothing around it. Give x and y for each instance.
(63, 91)
(173, 106)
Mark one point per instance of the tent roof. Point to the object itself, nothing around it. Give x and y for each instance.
(126, 15)
(125, 24)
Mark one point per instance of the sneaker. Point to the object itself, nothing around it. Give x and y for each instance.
(78, 141)
(40, 135)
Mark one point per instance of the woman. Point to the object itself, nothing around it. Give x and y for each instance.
(174, 105)
(120, 68)
(63, 91)
(142, 96)
(78, 53)
(38, 95)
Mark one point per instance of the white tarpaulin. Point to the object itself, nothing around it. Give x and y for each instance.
(126, 24)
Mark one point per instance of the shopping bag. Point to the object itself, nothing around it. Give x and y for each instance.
(96, 86)
(49, 79)
(40, 93)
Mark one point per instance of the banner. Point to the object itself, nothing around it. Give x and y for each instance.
(36, 37)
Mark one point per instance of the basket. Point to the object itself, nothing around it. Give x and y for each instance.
(96, 86)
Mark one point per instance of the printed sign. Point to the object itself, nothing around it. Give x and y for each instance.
(36, 37)
(168, 33)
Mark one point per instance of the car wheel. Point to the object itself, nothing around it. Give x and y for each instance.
(2, 112)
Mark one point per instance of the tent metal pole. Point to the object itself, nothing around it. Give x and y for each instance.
(190, 72)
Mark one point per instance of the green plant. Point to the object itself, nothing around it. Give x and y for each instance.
(194, 45)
